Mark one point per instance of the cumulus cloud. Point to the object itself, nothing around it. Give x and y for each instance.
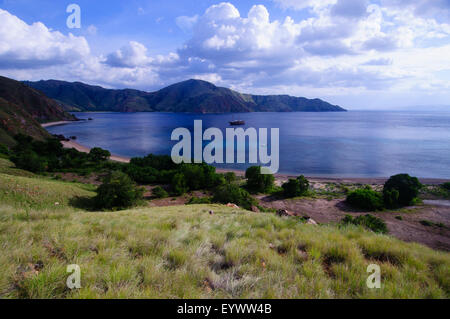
(341, 47)
(36, 46)
(129, 56)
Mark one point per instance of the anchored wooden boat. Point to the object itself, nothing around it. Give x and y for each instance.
(237, 123)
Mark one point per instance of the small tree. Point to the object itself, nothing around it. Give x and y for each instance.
(179, 185)
(365, 198)
(99, 155)
(4, 150)
(407, 187)
(159, 192)
(29, 161)
(257, 182)
(295, 187)
(118, 191)
(230, 193)
(230, 177)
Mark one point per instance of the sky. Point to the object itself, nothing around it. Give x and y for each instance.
(359, 54)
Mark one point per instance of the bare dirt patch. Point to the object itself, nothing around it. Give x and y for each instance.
(408, 229)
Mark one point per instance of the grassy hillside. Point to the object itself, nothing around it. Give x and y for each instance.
(184, 252)
(22, 109)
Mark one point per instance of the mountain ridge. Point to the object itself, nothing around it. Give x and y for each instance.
(23, 109)
(190, 96)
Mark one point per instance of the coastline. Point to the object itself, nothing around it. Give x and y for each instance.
(279, 176)
(45, 125)
(85, 149)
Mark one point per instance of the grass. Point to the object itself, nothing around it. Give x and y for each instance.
(184, 252)
(40, 193)
(7, 167)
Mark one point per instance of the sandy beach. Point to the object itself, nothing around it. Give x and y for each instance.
(84, 149)
(56, 123)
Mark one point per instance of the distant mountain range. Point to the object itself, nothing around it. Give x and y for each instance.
(192, 96)
(23, 109)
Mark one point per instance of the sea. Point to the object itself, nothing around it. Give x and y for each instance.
(342, 144)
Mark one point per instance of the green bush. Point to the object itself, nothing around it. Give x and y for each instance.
(99, 155)
(179, 185)
(29, 161)
(159, 192)
(257, 182)
(4, 150)
(118, 191)
(200, 176)
(230, 177)
(230, 193)
(446, 186)
(407, 187)
(296, 187)
(371, 222)
(365, 198)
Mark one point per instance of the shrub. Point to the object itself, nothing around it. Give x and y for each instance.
(257, 182)
(143, 175)
(201, 176)
(295, 187)
(426, 223)
(230, 177)
(118, 191)
(446, 186)
(29, 161)
(99, 155)
(4, 150)
(365, 198)
(159, 192)
(407, 187)
(179, 185)
(231, 193)
(371, 222)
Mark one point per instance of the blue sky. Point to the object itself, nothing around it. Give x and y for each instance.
(361, 54)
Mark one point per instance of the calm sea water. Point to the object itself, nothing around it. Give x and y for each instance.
(352, 144)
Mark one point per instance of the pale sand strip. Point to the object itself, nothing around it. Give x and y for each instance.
(84, 149)
(56, 123)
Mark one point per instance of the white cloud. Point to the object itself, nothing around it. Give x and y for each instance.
(36, 46)
(186, 23)
(342, 48)
(132, 55)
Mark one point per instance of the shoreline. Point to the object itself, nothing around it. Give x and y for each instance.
(84, 149)
(279, 176)
(45, 125)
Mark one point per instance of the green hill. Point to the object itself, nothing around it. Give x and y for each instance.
(23, 109)
(192, 96)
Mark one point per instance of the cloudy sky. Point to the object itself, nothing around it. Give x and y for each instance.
(361, 54)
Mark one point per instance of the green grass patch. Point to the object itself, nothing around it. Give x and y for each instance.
(183, 252)
(39, 193)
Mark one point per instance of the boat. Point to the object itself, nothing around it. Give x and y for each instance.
(237, 123)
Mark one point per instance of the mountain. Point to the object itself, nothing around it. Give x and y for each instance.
(23, 109)
(192, 96)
